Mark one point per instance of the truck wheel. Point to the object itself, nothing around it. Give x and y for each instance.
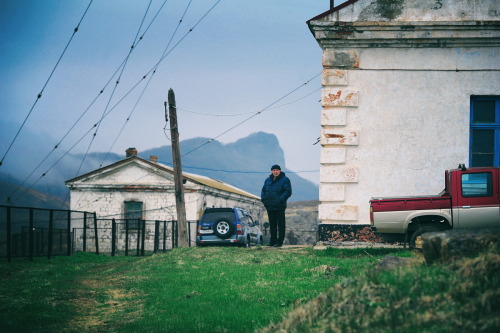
(416, 237)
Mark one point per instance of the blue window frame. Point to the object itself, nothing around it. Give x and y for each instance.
(484, 148)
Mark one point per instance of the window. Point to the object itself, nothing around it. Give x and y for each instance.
(477, 185)
(485, 132)
(133, 212)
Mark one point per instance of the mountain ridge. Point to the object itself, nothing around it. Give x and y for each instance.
(244, 163)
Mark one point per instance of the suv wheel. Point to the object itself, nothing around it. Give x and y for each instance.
(223, 228)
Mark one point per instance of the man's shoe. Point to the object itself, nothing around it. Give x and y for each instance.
(278, 245)
(271, 244)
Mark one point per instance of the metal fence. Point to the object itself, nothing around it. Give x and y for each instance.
(34, 232)
(130, 236)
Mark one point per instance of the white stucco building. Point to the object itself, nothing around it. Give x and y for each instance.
(410, 88)
(135, 188)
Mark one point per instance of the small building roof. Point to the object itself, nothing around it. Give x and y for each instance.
(203, 180)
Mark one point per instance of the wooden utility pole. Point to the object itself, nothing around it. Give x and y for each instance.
(176, 157)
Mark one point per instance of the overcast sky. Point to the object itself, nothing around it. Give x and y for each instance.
(239, 58)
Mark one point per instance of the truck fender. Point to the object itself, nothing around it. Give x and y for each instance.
(421, 215)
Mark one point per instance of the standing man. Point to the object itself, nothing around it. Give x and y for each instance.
(275, 192)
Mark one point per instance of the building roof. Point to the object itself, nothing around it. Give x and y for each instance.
(203, 180)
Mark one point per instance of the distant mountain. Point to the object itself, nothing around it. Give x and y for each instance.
(10, 186)
(244, 163)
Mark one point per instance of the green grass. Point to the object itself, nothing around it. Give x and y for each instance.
(214, 289)
(460, 296)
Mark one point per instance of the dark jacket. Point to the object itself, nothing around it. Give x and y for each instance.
(276, 192)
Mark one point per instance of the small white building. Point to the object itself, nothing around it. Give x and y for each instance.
(136, 188)
(410, 88)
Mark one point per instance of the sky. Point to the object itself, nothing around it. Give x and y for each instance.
(236, 67)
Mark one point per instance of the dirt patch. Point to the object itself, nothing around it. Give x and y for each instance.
(99, 300)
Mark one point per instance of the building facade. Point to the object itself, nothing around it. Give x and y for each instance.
(410, 88)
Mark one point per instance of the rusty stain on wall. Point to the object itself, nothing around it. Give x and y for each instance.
(334, 97)
(334, 136)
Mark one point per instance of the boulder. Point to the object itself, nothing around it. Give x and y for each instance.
(448, 245)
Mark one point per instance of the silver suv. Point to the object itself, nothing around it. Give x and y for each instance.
(234, 226)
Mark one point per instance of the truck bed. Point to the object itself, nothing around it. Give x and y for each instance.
(410, 203)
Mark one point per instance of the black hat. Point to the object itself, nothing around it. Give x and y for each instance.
(276, 166)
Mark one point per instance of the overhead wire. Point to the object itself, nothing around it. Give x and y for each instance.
(136, 42)
(114, 88)
(238, 171)
(154, 69)
(252, 116)
(167, 52)
(131, 89)
(75, 30)
(259, 112)
(148, 83)
(250, 112)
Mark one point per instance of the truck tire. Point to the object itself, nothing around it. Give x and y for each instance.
(223, 228)
(416, 236)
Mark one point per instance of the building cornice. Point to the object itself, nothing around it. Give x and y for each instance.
(394, 34)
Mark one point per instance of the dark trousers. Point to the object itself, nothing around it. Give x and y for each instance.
(277, 226)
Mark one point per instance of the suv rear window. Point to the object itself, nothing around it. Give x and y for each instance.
(214, 216)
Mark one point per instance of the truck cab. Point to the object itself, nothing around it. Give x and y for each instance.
(475, 197)
(471, 199)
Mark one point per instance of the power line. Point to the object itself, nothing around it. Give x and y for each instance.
(254, 115)
(46, 83)
(250, 112)
(266, 108)
(165, 54)
(114, 88)
(147, 84)
(244, 172)
(152, 70)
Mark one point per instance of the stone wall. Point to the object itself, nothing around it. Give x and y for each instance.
(449, 245)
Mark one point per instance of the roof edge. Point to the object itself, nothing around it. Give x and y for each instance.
(332, 10)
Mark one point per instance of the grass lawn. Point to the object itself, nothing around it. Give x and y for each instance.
(212, 289)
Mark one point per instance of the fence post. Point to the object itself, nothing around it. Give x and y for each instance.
(60, 240)
(143, 238)
(164, 235)
(96, 235)
(138, 245)
(126, 237)
(40, 241)
(69, 244)
(9, 235)
(51, 229)
(174, 234)
(157, 236)
(85, 232)
(32, 239)
(113, 237)
(23, 241)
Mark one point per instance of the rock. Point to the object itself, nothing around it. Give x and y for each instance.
(448, 245)
(391, 262)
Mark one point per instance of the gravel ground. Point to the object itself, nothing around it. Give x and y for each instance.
(324, 245)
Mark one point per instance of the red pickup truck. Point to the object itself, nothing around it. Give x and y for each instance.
(471, 199)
